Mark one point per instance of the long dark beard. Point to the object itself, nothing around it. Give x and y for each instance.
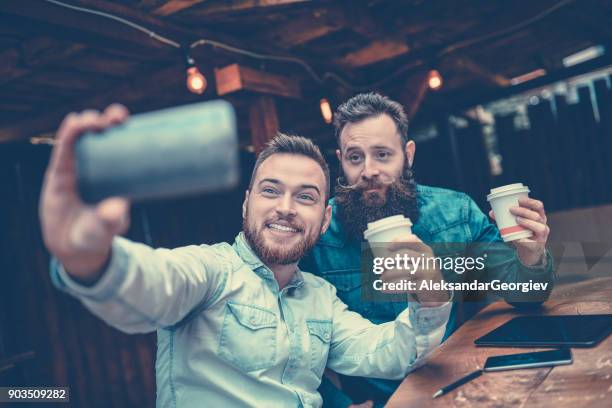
(276, 256)
(355, 211)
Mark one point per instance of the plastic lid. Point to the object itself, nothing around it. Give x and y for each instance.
(508, 189)
(385, 223)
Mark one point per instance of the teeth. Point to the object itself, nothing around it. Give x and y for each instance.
(282, 228)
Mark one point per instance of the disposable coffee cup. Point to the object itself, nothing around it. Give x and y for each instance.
(501, 199)
(380, 233)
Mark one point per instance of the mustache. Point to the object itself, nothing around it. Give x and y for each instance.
(362, 185)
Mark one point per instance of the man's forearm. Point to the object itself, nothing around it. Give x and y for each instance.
(391, 350)
(142, 289)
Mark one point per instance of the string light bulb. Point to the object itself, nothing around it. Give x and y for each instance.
(196, 82)
(435, 80)
(326, 110)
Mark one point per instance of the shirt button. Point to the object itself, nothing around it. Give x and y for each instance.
(326, 336)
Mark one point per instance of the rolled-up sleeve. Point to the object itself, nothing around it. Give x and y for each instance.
(143, 289)
(389, 350)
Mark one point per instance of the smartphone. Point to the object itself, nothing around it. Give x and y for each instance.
(547, 358)
(175, 151)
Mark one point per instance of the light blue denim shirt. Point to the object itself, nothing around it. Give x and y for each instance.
(228, 337)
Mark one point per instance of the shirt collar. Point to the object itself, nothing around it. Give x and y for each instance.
(249, 257)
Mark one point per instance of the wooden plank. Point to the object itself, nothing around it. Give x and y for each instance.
(376, 51)
(129, 91)
(470, 65)
(222, 8)
(299, 31)
(263, 119)
(93, 24)
(234, 78)
(33, 53)
(174, 6)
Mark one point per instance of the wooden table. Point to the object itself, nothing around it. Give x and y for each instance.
(585, 383)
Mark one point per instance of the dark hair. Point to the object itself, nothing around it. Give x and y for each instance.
(289, 144)
(368, 105)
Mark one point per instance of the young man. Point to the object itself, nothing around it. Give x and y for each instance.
(376, 156)
(237, 325)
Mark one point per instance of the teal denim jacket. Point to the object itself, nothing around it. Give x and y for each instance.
(445, 217)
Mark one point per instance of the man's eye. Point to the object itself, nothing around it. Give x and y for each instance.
(354, 158)
(382, 155)
(268, 190)
(306, 197)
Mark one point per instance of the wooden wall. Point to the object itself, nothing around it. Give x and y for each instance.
(103, 367)
(566, 156)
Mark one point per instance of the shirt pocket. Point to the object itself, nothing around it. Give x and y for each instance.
(319, 334)
(243, 325)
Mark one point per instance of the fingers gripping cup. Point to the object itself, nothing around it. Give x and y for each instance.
(501, 199)
(385, 230)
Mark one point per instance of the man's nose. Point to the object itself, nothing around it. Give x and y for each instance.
(285, 205)
(370, 169)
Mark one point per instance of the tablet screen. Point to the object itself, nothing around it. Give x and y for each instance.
(533, 331)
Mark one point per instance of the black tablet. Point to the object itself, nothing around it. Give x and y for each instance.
(549, 331)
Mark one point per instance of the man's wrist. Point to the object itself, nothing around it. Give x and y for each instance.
(532, 261)
(88, 270)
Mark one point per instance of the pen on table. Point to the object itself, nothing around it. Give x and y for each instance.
(458, 383)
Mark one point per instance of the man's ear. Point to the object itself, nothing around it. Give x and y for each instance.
(326, 219)
(410, 150)
(339, 155)
(245, 203)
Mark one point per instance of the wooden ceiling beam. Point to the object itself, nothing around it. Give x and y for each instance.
(234, 78)
(97, 25)
(470, 65)
(223, 8)
(174, 6)
(139, 88)
(311, 26)
(36, 52)
(135, 88)
(375, 51)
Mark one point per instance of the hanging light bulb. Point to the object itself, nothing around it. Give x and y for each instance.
(434, 80)
(196, 82)
(326, 110)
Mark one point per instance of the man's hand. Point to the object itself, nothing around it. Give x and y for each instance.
(530, 214)
(79, 235)
(411, 246)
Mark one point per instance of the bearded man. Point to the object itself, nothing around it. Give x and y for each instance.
(376, 156)
(238, 325)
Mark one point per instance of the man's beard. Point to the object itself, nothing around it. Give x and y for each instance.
(355, 211)
(278, 255)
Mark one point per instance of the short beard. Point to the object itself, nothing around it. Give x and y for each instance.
(355, 212)
(276, 256)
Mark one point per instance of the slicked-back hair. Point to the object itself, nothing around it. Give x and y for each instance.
(369, 105)
(290, 144)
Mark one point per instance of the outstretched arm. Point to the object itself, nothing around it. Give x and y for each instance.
(389, 350)
(129, 285)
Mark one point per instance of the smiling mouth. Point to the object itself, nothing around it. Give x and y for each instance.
(281, 228)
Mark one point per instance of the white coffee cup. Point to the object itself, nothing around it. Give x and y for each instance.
(386, 230)
(501, 199)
